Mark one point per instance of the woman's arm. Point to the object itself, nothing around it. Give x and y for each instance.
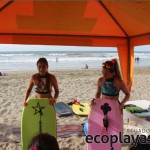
(98, 93)
(55, 85)
(126, 91)
(28, 91)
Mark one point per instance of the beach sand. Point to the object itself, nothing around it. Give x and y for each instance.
(73, 84)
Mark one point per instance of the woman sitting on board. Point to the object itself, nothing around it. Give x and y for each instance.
(111, 83)
(43, 83)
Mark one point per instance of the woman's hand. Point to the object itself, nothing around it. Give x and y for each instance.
(52, 101)
(121, 106)
(25, 103)
(93, 102)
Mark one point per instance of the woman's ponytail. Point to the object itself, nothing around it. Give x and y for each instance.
(116, 68)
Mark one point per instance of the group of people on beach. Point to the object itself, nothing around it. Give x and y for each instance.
(137, 59)
(43, 82)
(108, 87)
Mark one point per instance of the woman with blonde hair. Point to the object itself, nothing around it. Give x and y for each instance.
(105, 118)
(111, 83)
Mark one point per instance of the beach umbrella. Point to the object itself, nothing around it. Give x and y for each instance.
(111, 23)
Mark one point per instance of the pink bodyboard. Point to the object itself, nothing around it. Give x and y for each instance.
(96, 127)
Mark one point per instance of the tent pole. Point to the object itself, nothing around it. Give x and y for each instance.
(114, 19)
(129, 59)
(6, 5)
(130, 63)
(139, 35)
(63, 35)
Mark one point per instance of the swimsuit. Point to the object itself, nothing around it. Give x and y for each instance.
(108, 88)
(43, 85)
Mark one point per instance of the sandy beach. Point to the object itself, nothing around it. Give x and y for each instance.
(73, 84)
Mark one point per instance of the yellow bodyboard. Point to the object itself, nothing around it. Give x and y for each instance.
(82, 109)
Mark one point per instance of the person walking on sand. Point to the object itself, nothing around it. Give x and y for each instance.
(56, 59)
(138, 59)
(43, 83)
(86, 66)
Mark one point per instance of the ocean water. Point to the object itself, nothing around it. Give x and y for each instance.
(18, 60)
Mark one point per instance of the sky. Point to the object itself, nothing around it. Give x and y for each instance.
(15, 47)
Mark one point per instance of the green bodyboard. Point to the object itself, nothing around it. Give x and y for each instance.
(37, 117)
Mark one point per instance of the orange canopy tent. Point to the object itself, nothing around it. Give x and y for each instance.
(121, 23)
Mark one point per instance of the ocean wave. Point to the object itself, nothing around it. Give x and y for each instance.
(56, 54)
(83, 59)
(61, 59)
(142, 55)
(10, 55)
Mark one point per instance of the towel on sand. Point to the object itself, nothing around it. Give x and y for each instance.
(131, 109)
(143, 115)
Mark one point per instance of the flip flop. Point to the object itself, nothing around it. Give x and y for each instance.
(72, 102)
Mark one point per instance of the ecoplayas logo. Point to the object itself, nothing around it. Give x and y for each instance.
(112, 139)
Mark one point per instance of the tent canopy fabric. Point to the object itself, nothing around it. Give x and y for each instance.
(122, 24)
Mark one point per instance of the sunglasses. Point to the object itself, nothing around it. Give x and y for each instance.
(106, 66)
